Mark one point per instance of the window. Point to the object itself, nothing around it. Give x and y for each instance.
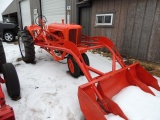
(104, 19)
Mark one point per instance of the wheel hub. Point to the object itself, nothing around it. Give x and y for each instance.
(71, 66)
(8, 37)
(21, 44)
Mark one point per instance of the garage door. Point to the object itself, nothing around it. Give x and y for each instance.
(25, 13)
(53, 10)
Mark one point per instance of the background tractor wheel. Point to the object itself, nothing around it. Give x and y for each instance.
(26, 46)
(12, 81)
(73, 67)
(2, 56)
(86, 60)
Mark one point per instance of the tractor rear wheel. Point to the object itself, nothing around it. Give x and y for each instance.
(12, 81)
(86, 60)
(26, 46)
(73, 66)
(2, 56)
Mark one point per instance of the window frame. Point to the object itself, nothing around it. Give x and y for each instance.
(103, 23)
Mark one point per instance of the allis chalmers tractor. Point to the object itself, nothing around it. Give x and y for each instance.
(12, 83)
(66, 41)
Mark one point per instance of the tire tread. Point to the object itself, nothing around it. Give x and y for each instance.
(2, 56)
(12, 80)
(29, 47)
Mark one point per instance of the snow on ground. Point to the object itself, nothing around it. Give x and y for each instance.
(48, 92)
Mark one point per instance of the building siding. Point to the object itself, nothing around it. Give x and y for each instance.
(136, 30)
(34, 4)
(154, 45)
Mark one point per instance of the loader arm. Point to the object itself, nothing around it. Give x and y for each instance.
(102, 87)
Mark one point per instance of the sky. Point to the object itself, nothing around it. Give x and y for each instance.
(3, 5)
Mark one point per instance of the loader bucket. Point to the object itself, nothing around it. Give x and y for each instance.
(89, 104)
(110, 84)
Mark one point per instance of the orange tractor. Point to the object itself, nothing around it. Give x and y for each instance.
(12, 84)
(66, 41)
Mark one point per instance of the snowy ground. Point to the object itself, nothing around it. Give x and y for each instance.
(49, 93)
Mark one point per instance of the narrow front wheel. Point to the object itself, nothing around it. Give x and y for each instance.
(73, 66)
(86, 60)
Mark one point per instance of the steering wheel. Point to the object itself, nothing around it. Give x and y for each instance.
(40, 20)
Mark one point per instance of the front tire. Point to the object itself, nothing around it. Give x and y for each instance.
(26, 46)
(2, 56)
(86, 60)
(73, 67)
(9, 36)
(12, 81)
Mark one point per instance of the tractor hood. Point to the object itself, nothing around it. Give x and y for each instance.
(62, 27)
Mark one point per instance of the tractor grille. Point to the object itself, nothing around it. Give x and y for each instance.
(79, 36)
(74, 36)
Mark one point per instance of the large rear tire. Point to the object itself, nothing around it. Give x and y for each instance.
(12, 81)
(2, 56)
(26, 46)
(73, 67)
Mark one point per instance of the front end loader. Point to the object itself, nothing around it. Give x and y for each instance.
(66, 41)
